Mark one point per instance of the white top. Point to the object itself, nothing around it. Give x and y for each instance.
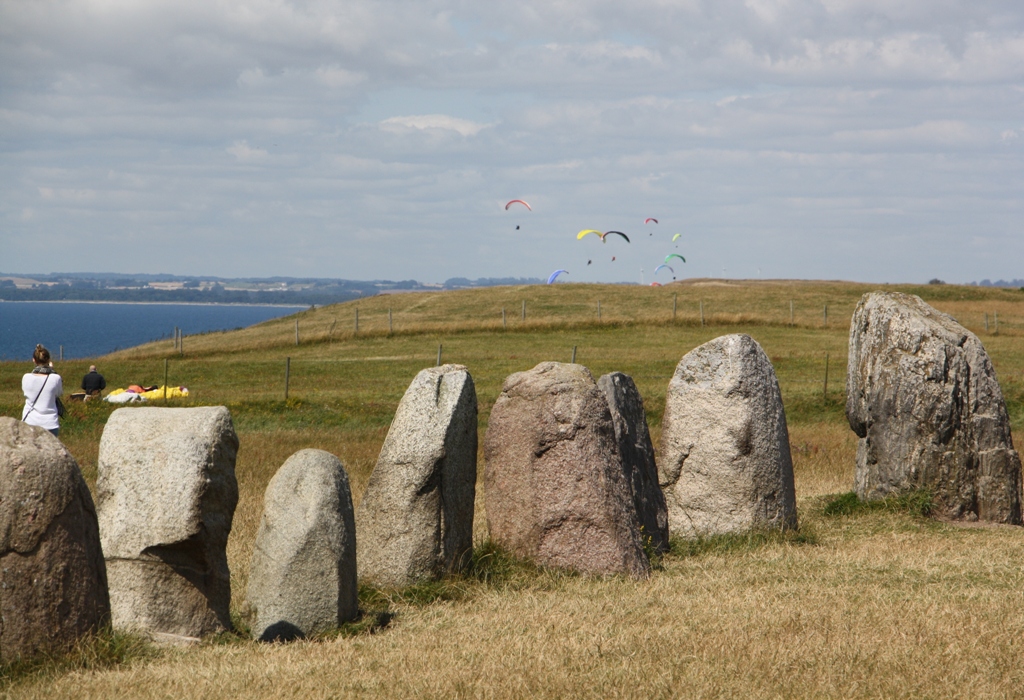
(44, 413)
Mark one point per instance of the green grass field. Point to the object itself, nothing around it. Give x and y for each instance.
(878, 602)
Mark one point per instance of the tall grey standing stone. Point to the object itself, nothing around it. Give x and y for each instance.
(53, 582)
(725, 465)
(303, 574)
(637, 453)
(556, 491)
(166, 495)
(415, 521)
(923, 398)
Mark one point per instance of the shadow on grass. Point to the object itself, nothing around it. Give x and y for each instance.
(680, 547)
(490, 568)
(915, 503)
(106, 649)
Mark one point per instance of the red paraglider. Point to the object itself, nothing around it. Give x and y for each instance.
(519, 201)
(648, 220)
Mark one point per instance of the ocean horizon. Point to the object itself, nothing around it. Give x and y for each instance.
(94, 328)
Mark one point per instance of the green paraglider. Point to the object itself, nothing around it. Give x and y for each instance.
(674, 255)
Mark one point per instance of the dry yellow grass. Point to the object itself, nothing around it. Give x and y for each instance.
(881, 605)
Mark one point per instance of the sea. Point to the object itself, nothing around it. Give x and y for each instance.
(88, 329)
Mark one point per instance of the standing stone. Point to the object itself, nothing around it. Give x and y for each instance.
(415, 521)
(556, 492)
(53, 582)
(637, 453)
(923, 398)
(166, 494)
(726, 465)
(303, 574)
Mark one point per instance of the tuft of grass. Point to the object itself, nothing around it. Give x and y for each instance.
(106, 649)
(914, 503)
(368, 622)
(739, 542)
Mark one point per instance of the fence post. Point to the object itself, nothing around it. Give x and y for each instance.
(573, 354)
(287, 375)
(986, 322)
(675, 298)
(390, 327)
(824, 313)
(165, 380)
(504, 322)
(61, 353)
(439, 354)
(598, 310)
(524, 309)
(357, 320)
(792, 320)
(995, 316)
(181, 343)
(296, 331)
(701, 313)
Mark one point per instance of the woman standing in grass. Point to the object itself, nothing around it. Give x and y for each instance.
(42, 387)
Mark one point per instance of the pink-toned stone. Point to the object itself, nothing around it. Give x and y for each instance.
(555, 488)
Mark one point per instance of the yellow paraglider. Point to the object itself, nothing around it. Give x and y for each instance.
(585, 231)
(676, 237)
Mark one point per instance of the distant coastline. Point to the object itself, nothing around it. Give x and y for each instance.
(289, 305)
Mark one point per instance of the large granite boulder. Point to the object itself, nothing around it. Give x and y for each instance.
(415, 521)
(637, 453)
(53, 582)
(166, 495)
(725, 464)
(924, 400)
(303, 574)
(555, 489)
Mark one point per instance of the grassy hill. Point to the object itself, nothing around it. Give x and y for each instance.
(877, 602)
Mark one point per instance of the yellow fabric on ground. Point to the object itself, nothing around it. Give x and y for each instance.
(173, 392)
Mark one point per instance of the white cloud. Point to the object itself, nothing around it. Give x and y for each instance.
(433, 122)
(245, 153)
(756, 126)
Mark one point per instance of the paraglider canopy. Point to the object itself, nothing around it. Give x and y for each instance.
(518, 201)
(608, 233)
(655, 284)
(649, 219)
(661, 266)
(676, 237)
(674, 255)
(556, 273)
(585, 231)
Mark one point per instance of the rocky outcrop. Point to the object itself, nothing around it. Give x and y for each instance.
(923, 398)
(633, 441)
(303, 574)
(166, 495)
(53, 582)
(415, 521)
(556, 492)
(725, 464)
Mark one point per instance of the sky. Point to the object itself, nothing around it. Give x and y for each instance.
(865, 140)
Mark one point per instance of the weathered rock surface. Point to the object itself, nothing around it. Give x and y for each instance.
(415, 521)
(923, 398)
(166, 495)
(303, 574)
(725, 465)
(555, 488)
(637, 453)
(53, 582)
